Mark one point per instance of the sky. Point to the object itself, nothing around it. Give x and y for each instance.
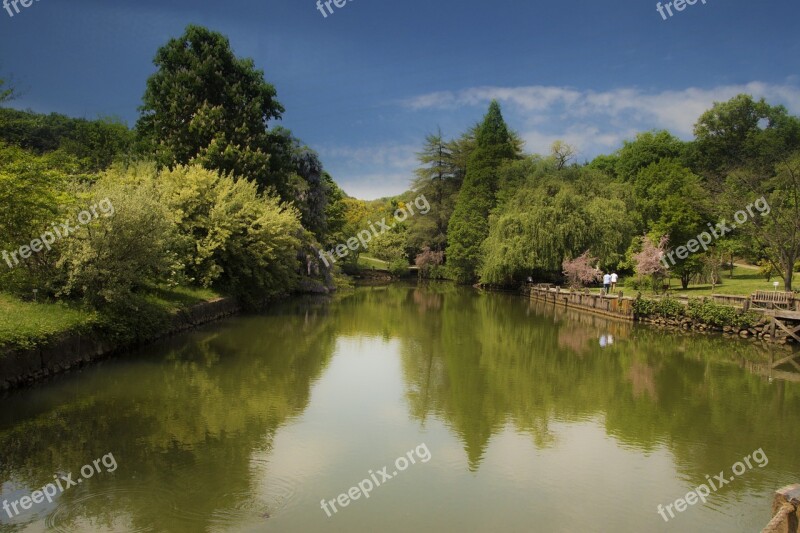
(365, 84)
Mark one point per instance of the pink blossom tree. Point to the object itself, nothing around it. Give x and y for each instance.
(580, 271)
(649, 262)
(429, 262)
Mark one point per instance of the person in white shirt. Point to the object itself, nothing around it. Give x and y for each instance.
(614, 279)
(606, 282)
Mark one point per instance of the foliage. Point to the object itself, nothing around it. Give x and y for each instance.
(108, 260)
(469, 222)
(230, 235)
(550, 218)
(767, 269)
(666, 307)
(94, 143)
(744, 133)
(648, 261)
(6, 91)
(206, 105)
(582, 270)
(437, 179)
(399, 267)
(390, 245)
(430, 264)
(714, 314)
(646, 149)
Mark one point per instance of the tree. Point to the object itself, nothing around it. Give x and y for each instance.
(562, 153)
(469, 225)
(774, 226)
(436, 179)
(744, 133)
(582, 270)
(429, 263)
(206, 105)
(647, 148)
(107, 262)
(648, 262)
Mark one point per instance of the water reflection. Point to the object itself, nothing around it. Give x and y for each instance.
(246, 424)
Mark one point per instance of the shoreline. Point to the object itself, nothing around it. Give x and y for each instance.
(68, 351)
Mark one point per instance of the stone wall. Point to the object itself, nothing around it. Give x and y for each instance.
(73, 350)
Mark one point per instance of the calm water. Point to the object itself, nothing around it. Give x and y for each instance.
(534, 420)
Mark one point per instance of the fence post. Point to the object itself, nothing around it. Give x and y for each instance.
(785, 510)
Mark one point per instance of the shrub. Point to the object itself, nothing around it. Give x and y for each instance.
(664, 308)
(398, 267)
(637, 283)
(715, 314)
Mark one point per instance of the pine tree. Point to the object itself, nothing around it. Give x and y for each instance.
(469, 225)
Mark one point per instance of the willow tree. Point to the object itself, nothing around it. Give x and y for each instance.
(548, 222)
(469, 225)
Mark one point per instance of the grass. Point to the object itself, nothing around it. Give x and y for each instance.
(746, 281)
(175, 298)
(370, 262)
(26, 324)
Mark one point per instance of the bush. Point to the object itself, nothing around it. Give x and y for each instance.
(715, 314)
(636, 283)
(664, 308)
(399, 267)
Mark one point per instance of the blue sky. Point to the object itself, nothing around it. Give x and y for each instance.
(366, 84)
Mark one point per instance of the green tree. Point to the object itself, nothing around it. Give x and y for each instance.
(205, 104)
(469, 225)
(674, 203)
(647, 148)
(436, 179)
(744, 133)
(774, 226)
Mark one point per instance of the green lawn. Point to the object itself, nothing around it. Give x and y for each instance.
(24, 324)
(745, 282)
(370, 262)
(175, 298)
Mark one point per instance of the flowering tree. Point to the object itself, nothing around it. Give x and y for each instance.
(579, 271)
(429, 262)
(649, 262)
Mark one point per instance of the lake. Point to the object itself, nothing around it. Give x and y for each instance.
(404, 408)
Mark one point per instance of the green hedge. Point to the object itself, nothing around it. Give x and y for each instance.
(704, 311)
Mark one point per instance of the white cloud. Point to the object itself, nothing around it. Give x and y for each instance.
(595, 122)
(598, 121)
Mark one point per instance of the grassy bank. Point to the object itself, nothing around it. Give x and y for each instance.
(745, 281)
(27, 324)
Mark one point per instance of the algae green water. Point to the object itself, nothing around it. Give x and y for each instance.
(534, 419)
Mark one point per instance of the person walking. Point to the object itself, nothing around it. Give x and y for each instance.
(606, 282)
(614, 279)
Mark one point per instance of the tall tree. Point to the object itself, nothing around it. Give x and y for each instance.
(469, 225)
(744, 133)
(206, 105)
(436, 179)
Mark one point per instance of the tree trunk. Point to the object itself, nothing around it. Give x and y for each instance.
(787, 279)
(685, 277)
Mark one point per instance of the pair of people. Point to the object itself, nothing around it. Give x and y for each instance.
(610, 282)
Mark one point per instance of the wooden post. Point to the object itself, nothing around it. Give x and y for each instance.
(785, 511)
